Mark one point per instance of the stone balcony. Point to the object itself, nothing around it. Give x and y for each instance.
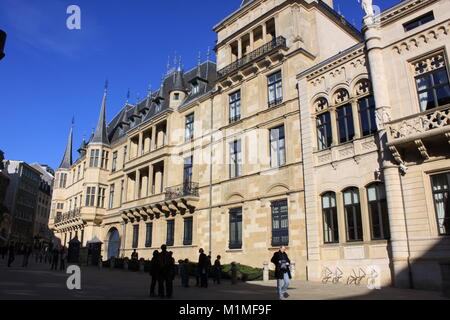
(252, 62)
(69, 218)
(178, 199)
(420, 132)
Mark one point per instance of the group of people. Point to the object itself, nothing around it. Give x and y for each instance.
(46, 254)
(163, 271)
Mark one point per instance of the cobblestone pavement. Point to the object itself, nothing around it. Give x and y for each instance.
(38, 282)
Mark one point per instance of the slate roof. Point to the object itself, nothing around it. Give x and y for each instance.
(131, 116)
(66, 162)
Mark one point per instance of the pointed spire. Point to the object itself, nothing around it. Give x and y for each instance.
(66, 162)
(101, 135)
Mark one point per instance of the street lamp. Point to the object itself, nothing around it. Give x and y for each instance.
(2, 43)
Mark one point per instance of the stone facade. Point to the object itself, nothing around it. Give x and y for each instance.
(300, 134)
(21, 199)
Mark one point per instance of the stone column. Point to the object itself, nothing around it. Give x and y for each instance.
(356, 117)
(153, 141)
(334, 126)
(239, 48)
(392, 179)
(150, 180)
(252, 41)
(140, 144)
(264, 32)
(137, 190)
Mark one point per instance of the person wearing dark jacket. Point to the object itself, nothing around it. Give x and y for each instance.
(154, 272)
(55, 258)
(11, 254)
(166, 273)
(203, 265)
(282, 272)
(217, 270)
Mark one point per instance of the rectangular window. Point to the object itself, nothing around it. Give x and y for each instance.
(122, 189)
(188, 226)
(195, 89)
(93, 162)
(280, 223)
(366, 108)
(346, 128)
(170, 232)
(324, 131)
(235, 228)
(277, 147)
(101, 197)
(148, 235)
(189, 127)
(235, 106)
(114, 162)
(124, 156)
(378, 212)
(433, 89)
(90, 197)
(440, 185)
(111, 196)
(235, 159)
(135, 236)
(427, 17)
(275, 88)
(330, 221)
(105, 158)
(187, 175)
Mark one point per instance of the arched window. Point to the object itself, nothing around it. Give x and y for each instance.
(378, 211)
(344, 116)
(323, 124)
(330, 219)
(113, 243)
(352, 208)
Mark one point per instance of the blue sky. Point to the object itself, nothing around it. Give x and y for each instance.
(51, 74)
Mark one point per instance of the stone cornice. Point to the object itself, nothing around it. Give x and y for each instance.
(402, 9)
(333, 62)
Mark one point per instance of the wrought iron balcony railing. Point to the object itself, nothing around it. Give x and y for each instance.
(420, 124)
(183, 190)
(72, 214)
(275, 44)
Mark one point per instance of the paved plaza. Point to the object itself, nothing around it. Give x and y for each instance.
(38, 282)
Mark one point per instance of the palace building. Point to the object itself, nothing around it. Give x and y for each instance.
(306, 133)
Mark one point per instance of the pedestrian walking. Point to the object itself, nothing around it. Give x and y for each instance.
(165, 288)
(282, 272)
(63, 258)
(203, 268)
(27, 250)
(11, 254)
(217, 270)
(184, 273)
(55, 257)
(154, 272)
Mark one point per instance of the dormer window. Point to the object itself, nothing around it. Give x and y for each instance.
(195, 88)
(176, 96)
(158, 107)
